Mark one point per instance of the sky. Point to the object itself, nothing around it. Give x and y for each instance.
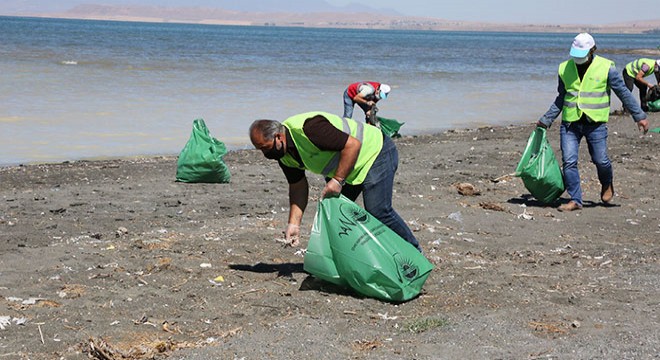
(497, 11)
(523, 11)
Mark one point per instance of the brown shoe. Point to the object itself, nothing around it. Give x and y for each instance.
(569, 206)
(607, 193)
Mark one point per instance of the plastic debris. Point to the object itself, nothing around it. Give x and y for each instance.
(4, 322)
(30, 301)
(456, 216)
(121, 231)
(387, 317)
(217, 281)
(525, 215)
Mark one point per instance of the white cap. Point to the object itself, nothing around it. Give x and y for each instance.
(657, 62)
(384, 90)
(582, 43)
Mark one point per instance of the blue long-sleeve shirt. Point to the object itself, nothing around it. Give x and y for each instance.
(614, 82)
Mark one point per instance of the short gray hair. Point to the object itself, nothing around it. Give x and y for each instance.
(267, 128)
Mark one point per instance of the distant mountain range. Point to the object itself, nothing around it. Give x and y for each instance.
(10, 7)
(307, 13)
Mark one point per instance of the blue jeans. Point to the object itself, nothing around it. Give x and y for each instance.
(596, 135)
(349, 104)
(377, 191)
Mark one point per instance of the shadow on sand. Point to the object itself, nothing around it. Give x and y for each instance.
(529, 201)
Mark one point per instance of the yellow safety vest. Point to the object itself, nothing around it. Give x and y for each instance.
(325, 162)
(591, 95)
(634, 67)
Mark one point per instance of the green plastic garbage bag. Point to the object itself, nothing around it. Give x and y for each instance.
(318, 259)
(390, 127)
(654, 106)
(539, 170)
(366, 254)
(200, 161)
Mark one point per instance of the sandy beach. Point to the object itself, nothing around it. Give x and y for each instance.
(115, 260)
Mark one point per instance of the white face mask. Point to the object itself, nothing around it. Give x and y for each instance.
(582, 60)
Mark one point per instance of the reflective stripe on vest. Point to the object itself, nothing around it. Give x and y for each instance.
(326, 162)
(634, 67)
(590, 95)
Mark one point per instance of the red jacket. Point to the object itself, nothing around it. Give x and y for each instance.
(353, 88)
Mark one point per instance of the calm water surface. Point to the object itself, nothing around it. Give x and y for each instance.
(74, 89)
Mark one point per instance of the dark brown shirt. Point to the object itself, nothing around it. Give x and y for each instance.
(322, 134)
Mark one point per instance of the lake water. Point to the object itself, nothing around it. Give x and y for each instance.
(76, 89)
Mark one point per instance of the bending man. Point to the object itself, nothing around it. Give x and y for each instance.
(365, 94)
(636, 71)
(354, 157)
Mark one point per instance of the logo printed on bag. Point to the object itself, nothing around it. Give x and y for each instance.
(409, 271)
(351, 216)
(355, 214)
(406, 268)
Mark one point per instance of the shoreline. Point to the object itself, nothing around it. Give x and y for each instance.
(248, 147)
(143, 157)
(337, 21)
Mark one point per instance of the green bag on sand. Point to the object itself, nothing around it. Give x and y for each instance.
(390, 127)
(200, 161)
(318, 259)
(349, 246)
(655, 130)
(654, 106)
(539, 170)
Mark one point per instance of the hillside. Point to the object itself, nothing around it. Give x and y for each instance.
(366, 20)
